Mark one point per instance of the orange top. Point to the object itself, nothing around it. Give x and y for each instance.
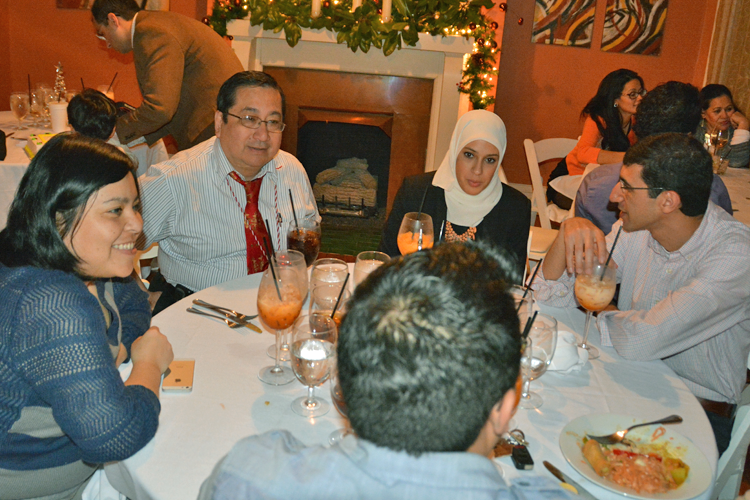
(588, 147)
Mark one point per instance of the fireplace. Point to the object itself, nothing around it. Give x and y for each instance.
(410, 95)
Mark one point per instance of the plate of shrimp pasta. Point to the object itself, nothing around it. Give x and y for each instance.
(652, 462)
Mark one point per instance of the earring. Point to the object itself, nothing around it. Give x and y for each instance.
(615, 104)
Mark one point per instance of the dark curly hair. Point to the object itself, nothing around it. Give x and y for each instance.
(670, 107)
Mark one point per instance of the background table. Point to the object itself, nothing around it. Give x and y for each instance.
(228, 402)
(737, 181)
(17, 161)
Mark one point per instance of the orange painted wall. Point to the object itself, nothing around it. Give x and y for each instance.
(542, 89)
(35, 35)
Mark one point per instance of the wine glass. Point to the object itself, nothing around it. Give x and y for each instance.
(36, 107)
(523, 304)
(45, 96)
(366, 263)
(594, 292)
(313, 353)
(279, 304)
(537, 355)
(304, 236)
(295, 260)
(415, 233)
(337, 396)
(719, 138)
(323, 299)
(328, 272)
(19, 105)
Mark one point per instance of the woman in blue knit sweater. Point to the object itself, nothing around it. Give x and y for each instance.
(70, 315)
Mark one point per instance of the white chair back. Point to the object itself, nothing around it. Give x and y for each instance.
(732, 462)
(537, 152)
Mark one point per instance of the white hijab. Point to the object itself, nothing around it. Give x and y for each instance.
(465, 209)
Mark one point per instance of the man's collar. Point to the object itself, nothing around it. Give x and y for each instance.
(696, 240)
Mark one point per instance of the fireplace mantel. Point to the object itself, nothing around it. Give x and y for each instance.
(436, 58)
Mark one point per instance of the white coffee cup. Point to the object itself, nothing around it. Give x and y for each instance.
(58, 112)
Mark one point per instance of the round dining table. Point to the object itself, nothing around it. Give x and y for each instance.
(229, 402)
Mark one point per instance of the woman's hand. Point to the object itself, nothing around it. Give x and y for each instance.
(122, 355)
(152, 347)
(739, 121)
(151, 354)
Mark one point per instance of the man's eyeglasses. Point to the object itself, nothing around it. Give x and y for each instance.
(253, 122)
(628, 187)
(633, 94)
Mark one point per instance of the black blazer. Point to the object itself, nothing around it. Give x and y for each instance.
(507, 224)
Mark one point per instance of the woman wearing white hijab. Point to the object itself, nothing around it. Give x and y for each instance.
(465, 195)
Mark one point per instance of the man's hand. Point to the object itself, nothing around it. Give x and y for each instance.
(583, 241)
(578, 241)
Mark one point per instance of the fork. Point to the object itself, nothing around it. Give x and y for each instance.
(617, 437)
(220, 309)
(230, 323)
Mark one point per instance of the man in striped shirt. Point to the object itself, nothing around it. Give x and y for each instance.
(196, 207)
(683, 265)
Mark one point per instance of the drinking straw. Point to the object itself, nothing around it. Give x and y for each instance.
(273, 272)
(528, 287)
(294, 212)
(28, 79)
(83, 85)
(112, 82)
(341, 293)
(440, 236)
(611, 251)
(529, 322)
(421, 204)
(272, 253)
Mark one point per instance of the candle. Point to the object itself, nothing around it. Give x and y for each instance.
(315, 8)
(356, 4)
(387, 11)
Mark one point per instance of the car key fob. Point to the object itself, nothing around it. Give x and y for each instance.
(522, 458)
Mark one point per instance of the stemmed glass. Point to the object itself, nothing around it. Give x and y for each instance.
(337, 396)
(594, 292)
(523, 304)
(313, 353)
(304, 236)
(328, 272)
(323, 299)
(537, 355)
(366, 263)
(295, 260)
(416, 233)
(19, 104)
(36, 107)
(280, 298)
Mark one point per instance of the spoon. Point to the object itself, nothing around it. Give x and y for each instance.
(230, 323)
(618, 436)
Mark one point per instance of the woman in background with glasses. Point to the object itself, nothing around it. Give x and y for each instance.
(720, 113)
(607, 127)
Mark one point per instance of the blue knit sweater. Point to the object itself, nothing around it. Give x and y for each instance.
(54, 355)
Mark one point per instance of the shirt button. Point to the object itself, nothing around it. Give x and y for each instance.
(669, 271)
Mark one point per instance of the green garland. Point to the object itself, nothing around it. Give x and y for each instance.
(364, 28)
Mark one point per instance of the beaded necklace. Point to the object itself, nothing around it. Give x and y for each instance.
(450, 234)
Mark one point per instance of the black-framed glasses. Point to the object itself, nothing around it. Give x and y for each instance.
(633, 94)
(628, 187)
(253, 122)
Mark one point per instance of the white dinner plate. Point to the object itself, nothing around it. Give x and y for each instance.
(571, 439)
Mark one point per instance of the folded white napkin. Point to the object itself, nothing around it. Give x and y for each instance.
(568, 356)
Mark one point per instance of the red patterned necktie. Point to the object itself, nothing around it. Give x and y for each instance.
(255, 228)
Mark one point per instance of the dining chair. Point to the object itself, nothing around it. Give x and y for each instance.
(732, 463)
(140, 258)
(541, 151)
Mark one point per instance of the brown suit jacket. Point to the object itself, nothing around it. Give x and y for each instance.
(180, 64)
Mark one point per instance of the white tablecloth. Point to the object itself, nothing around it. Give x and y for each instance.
(737, 181)
(228, 402)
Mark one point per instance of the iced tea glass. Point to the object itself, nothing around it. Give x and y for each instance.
(594, 292)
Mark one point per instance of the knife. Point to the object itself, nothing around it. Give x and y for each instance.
(566, 479)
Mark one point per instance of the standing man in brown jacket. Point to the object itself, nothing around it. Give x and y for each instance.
(180, 64)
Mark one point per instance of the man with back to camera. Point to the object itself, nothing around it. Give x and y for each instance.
(180, 63)
(427, 361)
(670, 107)
(683, 265)
(208, 206)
